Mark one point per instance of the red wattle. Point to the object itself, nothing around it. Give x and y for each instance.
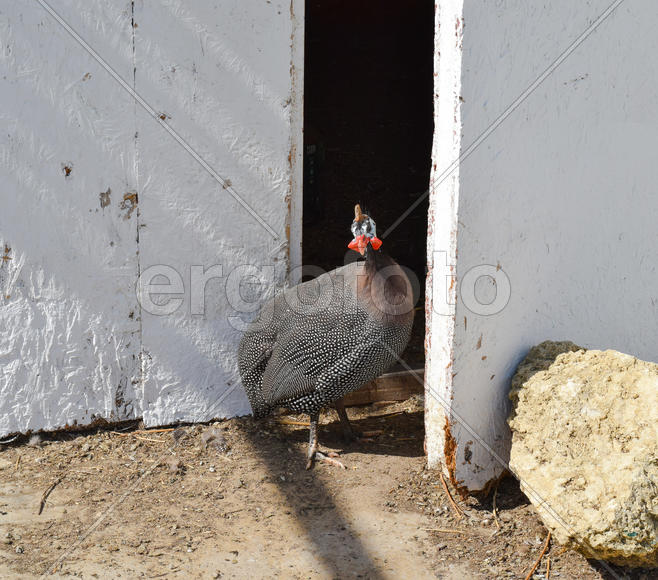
(376, 243)
(354, 244)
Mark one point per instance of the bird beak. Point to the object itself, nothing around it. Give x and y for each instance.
(360, 243)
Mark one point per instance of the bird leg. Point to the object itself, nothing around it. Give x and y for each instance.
(313, 452)
(349, 433)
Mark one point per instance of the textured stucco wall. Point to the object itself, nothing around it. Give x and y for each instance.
(561, 197)
(74, 342)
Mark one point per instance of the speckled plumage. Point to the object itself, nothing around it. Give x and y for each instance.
(306, 357)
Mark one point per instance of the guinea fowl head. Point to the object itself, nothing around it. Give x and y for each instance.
(364, 232)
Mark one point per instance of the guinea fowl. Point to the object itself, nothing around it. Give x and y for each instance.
(322, 339)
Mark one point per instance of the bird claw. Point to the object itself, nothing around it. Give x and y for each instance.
(328, 458)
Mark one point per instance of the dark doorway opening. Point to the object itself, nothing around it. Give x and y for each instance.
(368, 124)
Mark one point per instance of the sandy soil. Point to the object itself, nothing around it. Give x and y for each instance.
(173, 504)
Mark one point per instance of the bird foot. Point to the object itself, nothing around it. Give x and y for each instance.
(328, 458)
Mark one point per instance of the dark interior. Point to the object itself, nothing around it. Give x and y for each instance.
(368, 103)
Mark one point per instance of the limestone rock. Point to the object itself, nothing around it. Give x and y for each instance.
(585, 446)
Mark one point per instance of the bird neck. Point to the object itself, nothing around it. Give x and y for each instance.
(386, 284)
(375, 260)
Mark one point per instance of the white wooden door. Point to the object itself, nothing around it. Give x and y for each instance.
(138, 135)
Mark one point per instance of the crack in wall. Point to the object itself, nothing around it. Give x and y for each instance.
(138, 380)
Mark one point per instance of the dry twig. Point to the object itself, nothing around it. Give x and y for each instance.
(457, 509)
(541, 555)
(548, 567)
(452, 531)
(142, 431)
(291, 422)
(387, 415)
(46, 493)
(495, 510)
(147, 439)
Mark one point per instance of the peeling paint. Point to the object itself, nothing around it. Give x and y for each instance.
(129, 204)
(5, 256)
(450, 458)
(468, 454)
(105, 197)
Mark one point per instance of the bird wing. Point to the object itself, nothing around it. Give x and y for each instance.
(297, 363)
(307, 344)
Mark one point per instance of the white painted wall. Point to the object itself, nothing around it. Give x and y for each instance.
(562, 195)
(74, 342)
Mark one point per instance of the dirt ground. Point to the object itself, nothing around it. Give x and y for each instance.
(181, 504)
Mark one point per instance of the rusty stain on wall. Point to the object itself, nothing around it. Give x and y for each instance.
(105, 198)
(468, 454)
(129, 204)
(450, 455)
(5, 257)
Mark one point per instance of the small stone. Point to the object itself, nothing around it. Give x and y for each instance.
(19, 549)
(174, 464)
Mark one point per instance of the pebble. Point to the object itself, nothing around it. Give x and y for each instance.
(174, 464)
